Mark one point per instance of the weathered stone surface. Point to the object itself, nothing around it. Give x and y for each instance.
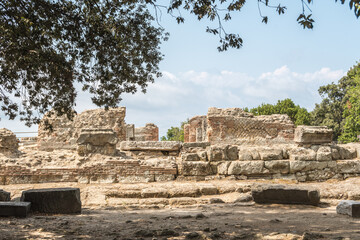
(66, 132)
(222, 168)
(313, 134)
(148, 133)
(246, 168)
(196, 169)
(278, 166)
(324, 153)
(4, 196)
(97, 137)
(349, 207)
(233, 125)
(217, 153)
(53, 200)
(347, 151)
(271, 154)
(8, 142)
(245, 155)
(190, 157)
(14, 209)
(268, 193)
(304, 166)
(232, 153)
(97, 141)
(302, 154)
(190, 145)
(348, 166)
(195, 130)
(150, 145)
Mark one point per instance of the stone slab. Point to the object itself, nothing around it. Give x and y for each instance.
(14, 209)
(349, 207)
(4, 196)
(313, 135)
(97, 137)
(150, 146)
(53, 200)
(268, 193)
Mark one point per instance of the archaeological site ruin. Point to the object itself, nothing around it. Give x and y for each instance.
(98, 146)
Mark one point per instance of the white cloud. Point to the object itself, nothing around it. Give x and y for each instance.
(177, 96)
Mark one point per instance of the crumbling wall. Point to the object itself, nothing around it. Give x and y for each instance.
(8, 142)
(233, 125)
(65, 132)
(148, 133)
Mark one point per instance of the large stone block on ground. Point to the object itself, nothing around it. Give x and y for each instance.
(14, 209)
(349, 207)
(53, 200)
(348, 166)
(150, 146)
(4, 196)
(313, 135)
(285, 195)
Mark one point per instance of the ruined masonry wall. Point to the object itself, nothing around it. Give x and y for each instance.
(66, 132)
(233, 125)
(148, 133)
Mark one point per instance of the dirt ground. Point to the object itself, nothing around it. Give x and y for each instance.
(229, 220)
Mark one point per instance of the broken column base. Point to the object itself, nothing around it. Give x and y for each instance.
(14, 209)
(349, 207)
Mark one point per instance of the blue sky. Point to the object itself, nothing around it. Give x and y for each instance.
(278, 60)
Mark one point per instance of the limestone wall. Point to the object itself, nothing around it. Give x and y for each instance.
(65, 132)
(8, 142)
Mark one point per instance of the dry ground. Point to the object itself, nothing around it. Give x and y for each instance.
(240, 220)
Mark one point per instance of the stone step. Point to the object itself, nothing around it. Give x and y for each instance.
(14, 209)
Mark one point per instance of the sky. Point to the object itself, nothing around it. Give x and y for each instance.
(278, 60)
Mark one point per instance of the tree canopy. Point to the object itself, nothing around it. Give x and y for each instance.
(108, 47)
(299, 115)
(47, 46)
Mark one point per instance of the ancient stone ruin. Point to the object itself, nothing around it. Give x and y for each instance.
(97, 146)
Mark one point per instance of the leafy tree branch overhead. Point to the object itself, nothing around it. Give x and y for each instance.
(109, 47)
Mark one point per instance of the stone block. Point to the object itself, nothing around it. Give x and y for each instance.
(347, 152)
(304, 166)
(232, 153)
(302, 154)
(271, 154)
(187, 145)
(324, 153)
(348, 166)
(97, 137)
(282, 194)
(313, 134)
(148, 133)
(246, 168)
(217, 153)
(190, 157)
(8, 142)
(196, 169)
(222, 168)
(4, 196)
(245, 155)
(150, 145)
(278, 166)
(349, 207)
(14, 209)
(53, 200)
